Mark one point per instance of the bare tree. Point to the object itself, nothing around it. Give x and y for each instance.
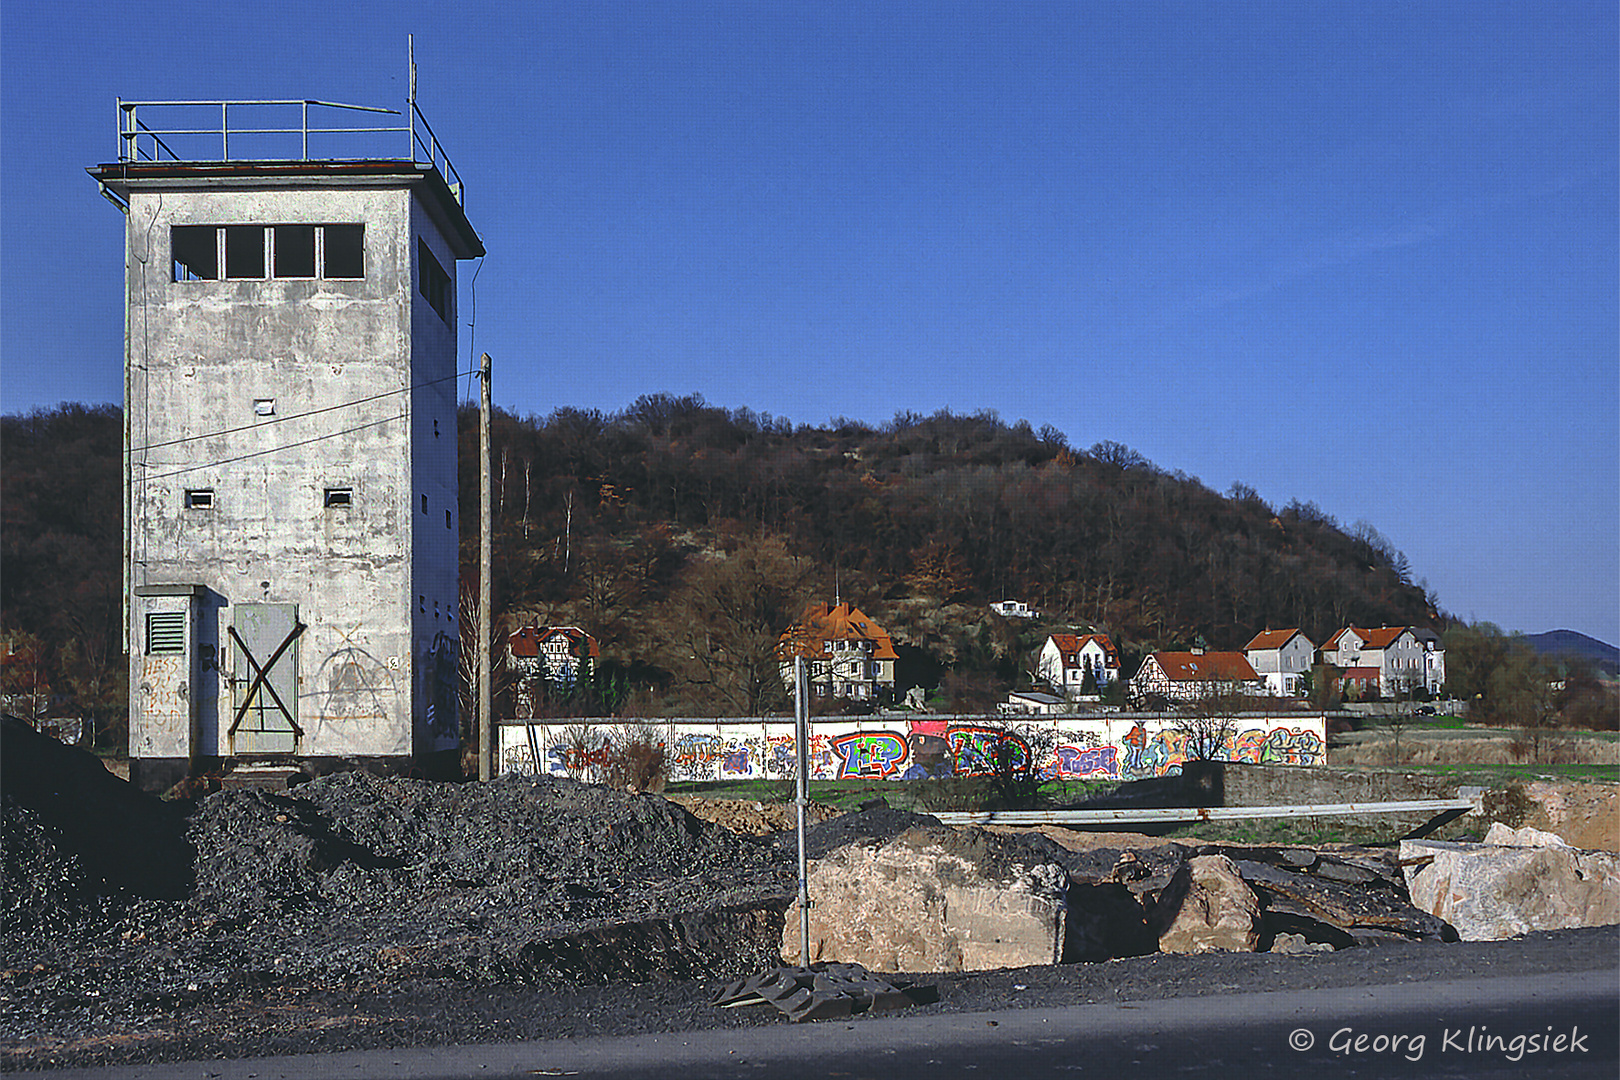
(467, 668)
(727, 621)
(1209, 723)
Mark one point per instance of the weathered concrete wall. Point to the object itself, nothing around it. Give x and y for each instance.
(1121, 746)
(1254, 785)
(375, 580)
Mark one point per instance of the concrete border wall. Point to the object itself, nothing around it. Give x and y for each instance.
(1122, 746)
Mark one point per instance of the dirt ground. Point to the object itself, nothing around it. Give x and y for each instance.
(749, 817)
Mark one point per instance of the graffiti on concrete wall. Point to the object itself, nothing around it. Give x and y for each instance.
(895, 748)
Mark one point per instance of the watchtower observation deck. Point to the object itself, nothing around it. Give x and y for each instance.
(291, 503)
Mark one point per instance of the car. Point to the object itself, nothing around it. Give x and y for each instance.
(1424, 710)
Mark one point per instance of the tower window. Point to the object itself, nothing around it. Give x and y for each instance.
(244, 251)
(433, 282)
(345, 251)
(195, 249)
(292, 252)
(295, 251)
(339, 497)
(199, 498)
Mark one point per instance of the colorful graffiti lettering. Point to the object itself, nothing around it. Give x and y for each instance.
(1136, 749)
(824, 764)
(973, 749)
(573, 758)
(866, 755)
(1292, 746)
(779, 755)
(735, 761)
(1083, 762)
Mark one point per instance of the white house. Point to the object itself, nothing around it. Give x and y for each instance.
(1188, 676)
(1404, 661)
(1065, 660)
(1281, 658)
(1013, 609)
(1033, 702)
(1434, 659)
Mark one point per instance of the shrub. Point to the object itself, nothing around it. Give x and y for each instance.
(635, 762)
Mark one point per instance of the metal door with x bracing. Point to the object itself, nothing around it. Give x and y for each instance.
(264, 679)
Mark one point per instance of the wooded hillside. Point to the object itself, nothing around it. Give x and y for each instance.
(686, 536)
(609, 521)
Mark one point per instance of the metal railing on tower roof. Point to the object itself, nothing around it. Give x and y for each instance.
(217, 131)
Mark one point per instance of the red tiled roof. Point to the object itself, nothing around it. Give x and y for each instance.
(820, 624)
(1273, 639)
(1205, 667)
(1381, 637)
(531, 640)
(1069, 646)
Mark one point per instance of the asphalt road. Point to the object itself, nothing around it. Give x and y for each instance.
(1547, 1025)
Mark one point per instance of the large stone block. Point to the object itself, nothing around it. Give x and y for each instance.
(1216, 911)
(930, 900)
(1489, 892)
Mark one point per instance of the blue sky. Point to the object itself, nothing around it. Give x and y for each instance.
(1367, 260)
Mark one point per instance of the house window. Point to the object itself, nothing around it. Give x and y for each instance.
(433, 282)
(287, 251)
(447, 521)
(339, 497)
(199, 498)
(165, 632)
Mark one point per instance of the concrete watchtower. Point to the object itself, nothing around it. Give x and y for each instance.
(291, 521)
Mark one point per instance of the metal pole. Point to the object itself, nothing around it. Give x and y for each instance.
(801, 717)
(486, 727)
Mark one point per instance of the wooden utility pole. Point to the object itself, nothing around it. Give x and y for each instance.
(486, 724)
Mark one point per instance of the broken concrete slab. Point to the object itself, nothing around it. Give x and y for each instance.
(1489, 891)
(1216, 911)
(1367, 911)
(934, 899)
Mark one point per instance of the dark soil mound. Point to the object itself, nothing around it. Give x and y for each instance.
(514, 853)
(350, 880)
(102, 836)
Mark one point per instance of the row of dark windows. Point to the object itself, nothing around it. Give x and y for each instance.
(256, 252)
(213, 252)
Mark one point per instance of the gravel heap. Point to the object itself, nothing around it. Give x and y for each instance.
(355, 881)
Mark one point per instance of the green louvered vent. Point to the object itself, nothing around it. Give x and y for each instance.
(166, 632)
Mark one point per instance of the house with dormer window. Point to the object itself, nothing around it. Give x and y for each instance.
(1066, 659)
(849, 655)
(1189, 676)
(549, 659)
(1405, 662)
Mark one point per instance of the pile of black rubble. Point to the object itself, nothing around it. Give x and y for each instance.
(110, 895)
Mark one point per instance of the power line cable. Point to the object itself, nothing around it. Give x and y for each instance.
(278, 449)
(298, 416)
